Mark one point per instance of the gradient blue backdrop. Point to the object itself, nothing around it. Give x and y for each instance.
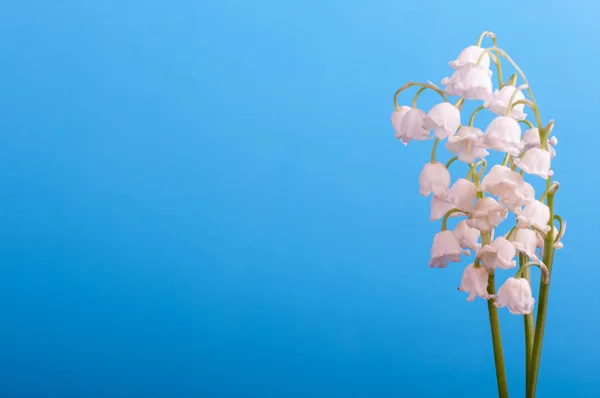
(205, 199)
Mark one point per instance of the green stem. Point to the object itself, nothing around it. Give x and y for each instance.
(410, 84)
(497, 341)
(542, 307)
(452, 160)
(495, 328)
(528, 325)
(475, 112)
(416, 97)
(527, 122)
(435, 143)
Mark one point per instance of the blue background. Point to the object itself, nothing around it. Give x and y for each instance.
(205, 199)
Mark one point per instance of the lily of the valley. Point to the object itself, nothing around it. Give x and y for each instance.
(531, 139)
(408, 124)
(471, 82)
(498, 254)
(467, 237)
(504, 134)
(475, 282)
(461, 196)
(525, 241)
(434, 178)
(443, 119)
(510, 187)
(470, 56)
(535, 161)
(500, 100)
(515, 294)
(467, 144)
(487, 214)
(445, 249)
(534, 214)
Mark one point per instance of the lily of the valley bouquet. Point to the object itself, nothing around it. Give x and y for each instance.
(485, 200)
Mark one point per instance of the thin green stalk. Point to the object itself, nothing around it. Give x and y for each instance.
(542, 306)
(495, 328)
(528, 324)
(497, 341)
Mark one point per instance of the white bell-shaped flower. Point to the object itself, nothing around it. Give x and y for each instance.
(535, 161)
(471, 82)
(470, 56)
(531, 139)
(445, 249)
(503, 134)
(411, 127)
(515, 294)
(557, 238)
(475, 282)
(534, 214)
(518, 198)
(486, 214)
(434, 178)
(460, 196)
(397, 118)
(443, 119)
(500, 102)
(467, 144)
(500, 253)
(510, 187)
(525, 241)
(467, 237)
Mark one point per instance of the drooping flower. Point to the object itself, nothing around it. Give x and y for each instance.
(475, 282)
(486, 214)
(525, 241)
(535, 161)
(531, 139)
(534, 214)
(467, 143)
(443, 119)
(510, 187)
(460, 196)
(500, 253)
(557, 238)
(500, 102)
(515, 294)
(397, 117)
(503, 134)
(470, 56)
(471, 82)
(467, 237)
(411, 126)
(445, 249)
(434, 178)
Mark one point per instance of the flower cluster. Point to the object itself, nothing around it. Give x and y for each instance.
(486, 200)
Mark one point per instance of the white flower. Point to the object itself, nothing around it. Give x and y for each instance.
(534, 214)
(503, 134)
(500, 99)
(397, 117)
(535, 161)
(411, 126)
(434, 178)
(467, 144)
(486, 214)
(509, 186)
(471, 82)
(470, 56)
(475, 282)
(516, 295)
(467, 237)
(500, 253)
(445, 249)
(531, 139)
(460, 196)
(525, 241)
(557, 238)
(443, 119)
